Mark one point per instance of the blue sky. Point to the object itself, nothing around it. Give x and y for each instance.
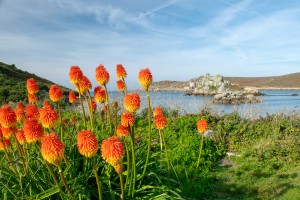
(176, 39)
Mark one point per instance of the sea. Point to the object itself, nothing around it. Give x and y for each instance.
(285, 102)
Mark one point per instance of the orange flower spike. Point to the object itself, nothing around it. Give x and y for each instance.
(99, 94)
(145, 78)
(33, 131)
(32, 111)
(122, 131)
(84, 85)
(47, 104)
(127, 119)
(112, 151)
(7, 132)
(75, 75)
(87, 143)
(132, 102)
(21, 106)
(121, 72)
(55, 93)
(94, 106)
(121, 85)
(48, 117)
(32, 98)
(8, 117)
(202, 125)
(160, 121)
(20, 136)
(102, 75)
(32, 86)
(19, 114)
(158, 110)
(52, 149)
(4, 143)
(72, 97)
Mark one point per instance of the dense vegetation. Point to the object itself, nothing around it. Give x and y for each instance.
(13, 84)
(223, 157)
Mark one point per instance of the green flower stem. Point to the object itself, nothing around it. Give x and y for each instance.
(122, 186)
(13, 168)
(108, 111)
(82, 107)
(167, 154)
(89, 105)
(125, 85)
(133, 175)
(65, 182)
(97, 180)
(60, 124)
(20, 150)
(128, 162)
(200, 152)
(54, 178)
(91, 116)
(149, 136)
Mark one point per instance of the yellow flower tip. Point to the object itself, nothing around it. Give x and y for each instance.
(202, 125)
(55, 93)
(121, 72)
(160, 121)
(52, 149)
(132, 102)
(8, 117)
(145, 78)
(102, 75)
(87, 143)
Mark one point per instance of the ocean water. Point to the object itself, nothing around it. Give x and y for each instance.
(275, 102)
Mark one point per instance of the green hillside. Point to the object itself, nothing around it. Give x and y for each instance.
(13, 84)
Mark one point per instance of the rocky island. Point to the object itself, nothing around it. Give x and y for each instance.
(224, 92)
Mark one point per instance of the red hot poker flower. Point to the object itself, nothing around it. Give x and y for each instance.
(121, 85)
(122, 131)
(112, 151)
(32, 111)
(7, 117)
(202, 125)
(32, 86)
(160, 121)
(4, 144)
(121, 72)
(145, 78)
(32, 98)
(84, 85)
(20, 136)
(33, 131)
(55, 93)
(132, 102)
(87, 143)
(75, 75)
(52, 149)
(72, 97)
(99, 94)
(127, 119)
(157, 111)
(102, 75)
(48, 117)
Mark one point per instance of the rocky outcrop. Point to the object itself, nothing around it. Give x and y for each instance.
(236, 97)
(209, 85)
